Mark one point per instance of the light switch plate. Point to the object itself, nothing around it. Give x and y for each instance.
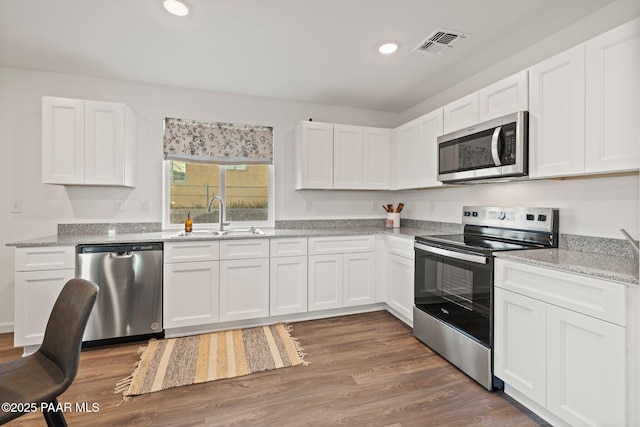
(15, 206)
(144, 206)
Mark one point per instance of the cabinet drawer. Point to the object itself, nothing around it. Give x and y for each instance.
(597, 298)
(45, 258)
(288, 247)
(401, 246)
(191, 251)
(239, 249)
(341, 245)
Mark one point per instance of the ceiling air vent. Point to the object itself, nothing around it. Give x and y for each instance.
(440, 41)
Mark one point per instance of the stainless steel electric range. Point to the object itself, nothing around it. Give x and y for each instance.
(453, 312)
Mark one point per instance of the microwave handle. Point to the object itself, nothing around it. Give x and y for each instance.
(494, 146)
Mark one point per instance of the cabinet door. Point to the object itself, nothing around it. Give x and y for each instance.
(288, 285)
(190, 294)
(377, 158)
(359, 282)
(430, 126)
(401, 291)
(556, 115)
(315, 155)
(613, 100)
(35, 294)
(104, 143)
(325, 282)
(507, 96)
(62, 141)
(348, 150)
(110, 134)
(461, 113)
(406, 145)
(244, 289)
(519, 354)
(586, 377)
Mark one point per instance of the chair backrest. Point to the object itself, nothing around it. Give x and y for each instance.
(65, 328)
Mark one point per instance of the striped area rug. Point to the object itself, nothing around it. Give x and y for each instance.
(176, 362)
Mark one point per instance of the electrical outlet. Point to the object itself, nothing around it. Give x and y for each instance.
(15, 206)
(144, 206)
(307, 206)
(118, 206)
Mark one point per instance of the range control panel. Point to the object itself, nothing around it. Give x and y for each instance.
(539, 219)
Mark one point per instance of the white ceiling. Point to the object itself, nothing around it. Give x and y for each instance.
(320, 51)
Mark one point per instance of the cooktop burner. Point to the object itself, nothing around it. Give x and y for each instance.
(488, 229)
(473, 242)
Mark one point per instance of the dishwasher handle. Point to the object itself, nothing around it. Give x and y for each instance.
(121, 255)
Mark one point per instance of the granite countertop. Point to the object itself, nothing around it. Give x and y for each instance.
(169, 236)
(621, 269)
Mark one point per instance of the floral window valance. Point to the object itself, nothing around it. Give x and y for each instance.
(213, 142)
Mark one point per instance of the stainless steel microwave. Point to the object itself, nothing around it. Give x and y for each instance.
(492, 150)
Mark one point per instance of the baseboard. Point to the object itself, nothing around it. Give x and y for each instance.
(6, 327)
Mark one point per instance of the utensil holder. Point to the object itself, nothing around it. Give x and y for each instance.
(395, 217)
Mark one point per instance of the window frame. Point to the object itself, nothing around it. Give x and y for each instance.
(166, 209)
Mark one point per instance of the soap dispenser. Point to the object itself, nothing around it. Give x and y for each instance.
(188, 223)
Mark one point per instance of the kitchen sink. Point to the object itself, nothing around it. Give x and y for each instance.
(233, 232)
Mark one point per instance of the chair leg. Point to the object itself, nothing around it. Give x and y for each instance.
(54, 418)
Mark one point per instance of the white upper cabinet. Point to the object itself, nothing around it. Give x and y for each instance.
(584, 107)
(613, 100)
(343, 157)
(556, 115)
(430, 128)
(314, 155)
(507, 96)
(87, 142)
(416, 152)
(461, 113)
(377, 158)
(348, 148)
(406, 147)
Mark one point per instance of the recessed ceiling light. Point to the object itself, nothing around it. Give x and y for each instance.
(176, 7)
(388, 48)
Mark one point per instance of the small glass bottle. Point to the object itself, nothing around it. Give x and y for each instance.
(188, 223)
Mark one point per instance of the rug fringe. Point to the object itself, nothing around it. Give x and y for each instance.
(301, 354)
(122, 386)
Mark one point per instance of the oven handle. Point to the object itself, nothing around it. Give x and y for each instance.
(478, 259)
(494, 146)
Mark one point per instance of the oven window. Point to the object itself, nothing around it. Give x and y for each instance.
(456, 292)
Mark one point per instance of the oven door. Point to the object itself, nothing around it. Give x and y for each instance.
(456, 287)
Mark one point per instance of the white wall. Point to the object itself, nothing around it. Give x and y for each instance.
(44, 206)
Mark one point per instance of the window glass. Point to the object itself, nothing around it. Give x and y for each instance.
(244, 188)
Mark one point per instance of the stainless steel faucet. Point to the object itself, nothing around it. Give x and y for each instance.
(220, 211)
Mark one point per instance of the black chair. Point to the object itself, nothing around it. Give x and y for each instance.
(38, 379)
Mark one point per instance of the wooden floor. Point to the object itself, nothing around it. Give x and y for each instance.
(365, 370)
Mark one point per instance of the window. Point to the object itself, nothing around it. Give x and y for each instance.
(246, 190)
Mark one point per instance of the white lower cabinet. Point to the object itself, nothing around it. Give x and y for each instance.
(586, 369)
(560, 343)
(288, 277)
(244, 279)
(191, 284)
(40, 275)
(341, 272)
(401, 276)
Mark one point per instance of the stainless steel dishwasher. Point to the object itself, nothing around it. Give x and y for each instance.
(129, 278)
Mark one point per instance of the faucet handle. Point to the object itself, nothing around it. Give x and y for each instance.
(226, 223)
